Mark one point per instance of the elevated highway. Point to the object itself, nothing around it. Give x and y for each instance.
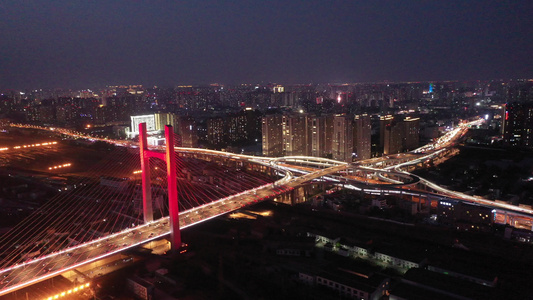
(378, 175)
(26, 273)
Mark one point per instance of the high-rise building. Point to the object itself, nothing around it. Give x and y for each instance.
(236, 128)
(397, 135)
(288, 99)
(411, 134)
(318, 135)
(243, 126)
(518, 124)
(272, 135)
(308, 135)
(329, 134)
(342, 144)
(253, 124)
(393, 137)
(278, 89)
(383, 122)
(294, 129)
(362, 137)
(188, 132)
(162, 119)
(216, 132)
(66, 113)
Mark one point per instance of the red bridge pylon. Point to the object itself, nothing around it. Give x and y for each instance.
(170, 159)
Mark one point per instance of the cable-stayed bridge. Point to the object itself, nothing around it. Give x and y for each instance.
(106, 216)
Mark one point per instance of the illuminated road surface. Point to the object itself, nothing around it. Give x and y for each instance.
(16, 277)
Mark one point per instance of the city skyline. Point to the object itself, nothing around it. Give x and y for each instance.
(469, 175)
(376, 150)
(78, 45)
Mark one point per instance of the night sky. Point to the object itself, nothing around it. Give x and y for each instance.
(82, 44)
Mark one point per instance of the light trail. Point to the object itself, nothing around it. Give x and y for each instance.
(324, 168)
(60, 166)
(206, 212)
(29, 146)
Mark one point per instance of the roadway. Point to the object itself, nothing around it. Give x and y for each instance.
(39, 269)
(30, 272)
(393, 164)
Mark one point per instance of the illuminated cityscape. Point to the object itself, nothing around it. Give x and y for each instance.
(414, 135)
(250, 150)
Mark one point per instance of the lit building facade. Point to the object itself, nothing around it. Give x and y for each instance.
(397, 135)
(184, 127)
(162, 119)
(518, 124)
(411, 133)
(215, 131)
(272, 133)
(238, 127)
(362, 136)
(319, 134)
(383, 122)
(294, 128)
(342, 143)
(136, 120)
(187, 131)
(392, 137)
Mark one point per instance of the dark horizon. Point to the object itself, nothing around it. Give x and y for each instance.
(262, 84)
(75, 45)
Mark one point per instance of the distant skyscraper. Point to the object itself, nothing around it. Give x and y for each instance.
(188, 131)
(518, 124)
(342, 146)
(278, 89)
(272, 135)
(362, 137)
(288, 99)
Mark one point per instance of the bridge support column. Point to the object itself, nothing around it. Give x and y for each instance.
(148, 213)
(293, 196)
(424, 206)
(175, 234)
(418, 204)
(170, 158)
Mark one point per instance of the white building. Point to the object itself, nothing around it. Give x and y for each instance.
(136, 120)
